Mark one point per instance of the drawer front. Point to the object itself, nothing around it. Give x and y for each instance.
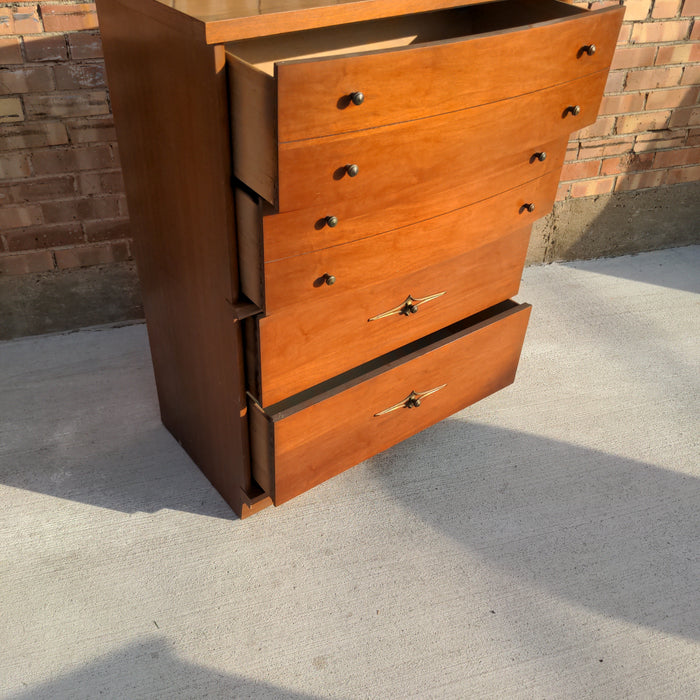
(350, 267)
(297, 448)
(306, 344)
(304, 231)
(414, 82)
(435, 153)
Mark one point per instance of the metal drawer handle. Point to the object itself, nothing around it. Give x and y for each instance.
(573, 109)
(528, 206)
(413, 400)
(407, 307)
(589, 50)
(357, 98)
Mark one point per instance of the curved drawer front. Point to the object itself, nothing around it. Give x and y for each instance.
(305, 344)
(434, 153)
(298, 446)
(483, 176)
(418, 81)
(333, 271)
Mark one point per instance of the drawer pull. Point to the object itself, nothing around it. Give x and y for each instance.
(540, 155)
(413, 400)
(407, 307)
(529, 206)
(328, 279)
(573, 109)
(588, 50)
(352, 169)
(357, 98)
(332, 221)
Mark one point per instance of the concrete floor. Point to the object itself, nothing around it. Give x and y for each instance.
(544, 543)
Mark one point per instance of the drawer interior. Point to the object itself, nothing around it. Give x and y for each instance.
(380, 35)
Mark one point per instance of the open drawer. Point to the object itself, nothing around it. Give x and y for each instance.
(313, 436)
(353, 77)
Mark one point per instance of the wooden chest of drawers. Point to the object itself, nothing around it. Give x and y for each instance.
(332, 206)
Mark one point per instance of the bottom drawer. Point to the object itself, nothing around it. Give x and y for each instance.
(300, 442)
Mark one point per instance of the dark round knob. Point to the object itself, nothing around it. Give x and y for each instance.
(590, 49)
(529, 207)
(357, 98)
(413, 403)
(332, 221)
(541, 156)
(330, 279)
(412, 309)
(352, 169)
(574, 109)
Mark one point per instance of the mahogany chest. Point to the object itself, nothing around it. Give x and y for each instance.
(331, 204)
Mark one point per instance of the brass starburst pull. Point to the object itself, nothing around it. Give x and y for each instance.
(407, 307)
(413, 400)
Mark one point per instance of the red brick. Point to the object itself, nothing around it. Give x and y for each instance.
(655, 32)
(618, 104)
(691, 8)
(58, 104)
(23, 263)
(639, 181)
(580, 170)
(91, 130)
(32, 135)
(562, 191)
(695, 32)
(60, 211)
(637, 9)
(10, 50)
(652, 78)
(26, 20)
(11, 110)
(571, 152)
(602, 127)
(6, 23)
(687, 116)
(663, 9)
(631, 123)
(682, 156)
(64, 160)
(14, 166)
(98, 254)
(39, 237)
(606, 147)
(123, 206)
(101, 182)
(693, 137)
(19, 216)
(627, 164)
(26, 79)
(673, 177)
(45, 48)
(634, 57)
(42, 189)
(615, 82)
(78, 76)
(691, 75)
(670, 99)
(84, 45)
(590, 188)
(656, 141)
(675, 53)
(69, 18)
(107, 230)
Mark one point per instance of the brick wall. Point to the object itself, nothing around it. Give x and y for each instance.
(61, 195)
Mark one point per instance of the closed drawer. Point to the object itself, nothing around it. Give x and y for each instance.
(414, 66)
(336, 270)
(483, 175)
(305, 344)
(298, 444)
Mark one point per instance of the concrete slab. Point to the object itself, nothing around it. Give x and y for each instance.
(543, 543)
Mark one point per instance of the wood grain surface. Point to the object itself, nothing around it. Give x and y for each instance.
(411, 83)
(329, 436)
(307, 344)
(298, 280)
(485, 173)
(432, 152)
(181, 208)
